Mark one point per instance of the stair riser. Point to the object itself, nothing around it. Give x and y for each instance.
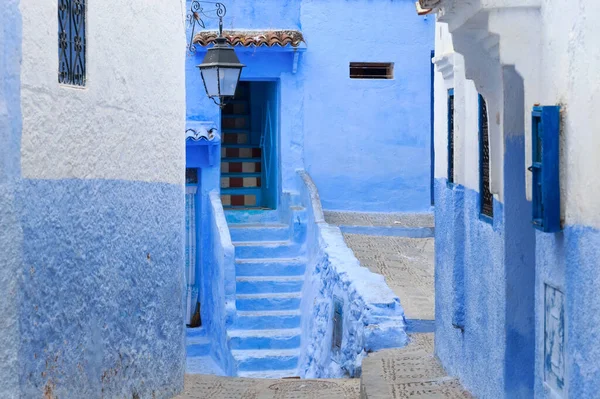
(265, 342)
(266, 251)
(269, 269)
(197, 350)
(257, 304)
(267, 322)
(265, 287)
(267, 363)
(259, 233)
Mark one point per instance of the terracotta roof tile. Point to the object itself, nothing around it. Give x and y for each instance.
(268, 38)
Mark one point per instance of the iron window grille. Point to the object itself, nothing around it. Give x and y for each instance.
(371, 70)
(71, 42)
(451, 136)
(486, 196)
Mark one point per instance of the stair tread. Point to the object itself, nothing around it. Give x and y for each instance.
(239, 146)
(230, 159)
(262, 313)
(241, 174)
(197, 341)
(271, 295)
(262, 353)
(279, 373)
(269, 278)
(275, 243)
(257, 225)
(280, 332)
(300, 260)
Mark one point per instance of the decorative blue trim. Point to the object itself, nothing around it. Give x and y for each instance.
(545, 133)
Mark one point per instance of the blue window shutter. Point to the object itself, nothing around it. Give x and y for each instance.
(545, 168)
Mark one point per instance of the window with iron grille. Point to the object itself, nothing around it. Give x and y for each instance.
(71, 42)
(371, 70)
(486, 196)
(451, 136)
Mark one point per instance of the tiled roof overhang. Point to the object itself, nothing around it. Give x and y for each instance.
(266, 38)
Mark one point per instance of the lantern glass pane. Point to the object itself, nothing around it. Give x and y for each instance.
(229, 78)
(209, 76)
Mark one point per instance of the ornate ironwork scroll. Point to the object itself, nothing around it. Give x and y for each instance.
(71, 42)
(198, 11)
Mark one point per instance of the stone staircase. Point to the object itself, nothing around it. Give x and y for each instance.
(198, 359)
(270, 264)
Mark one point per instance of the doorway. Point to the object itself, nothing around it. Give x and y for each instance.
(249, 151)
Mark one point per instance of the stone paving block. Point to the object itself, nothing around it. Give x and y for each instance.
(211, 387)
(407, 265)
(379, 219)
(410, 372)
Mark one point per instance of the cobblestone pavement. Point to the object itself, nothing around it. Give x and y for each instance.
(211, 387)
(379, 219)
(411, 372)
(406, 264)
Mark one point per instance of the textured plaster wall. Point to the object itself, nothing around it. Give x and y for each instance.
(10, 230)
(338, 128)
(373, 318)
(367, 142)
(569, 260)
(101, 206)
(484, 269)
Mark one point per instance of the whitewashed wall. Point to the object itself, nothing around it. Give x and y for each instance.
(135, 82)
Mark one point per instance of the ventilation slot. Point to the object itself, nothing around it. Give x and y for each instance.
(371, 70)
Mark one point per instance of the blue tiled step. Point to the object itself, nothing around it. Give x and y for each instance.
(261, 320)
(247, 160)
(271, 284)
(280, 301)
(262, 360)
(259, 231)
(241, 174)
(265, 339)
(265, 249)
(270, 267)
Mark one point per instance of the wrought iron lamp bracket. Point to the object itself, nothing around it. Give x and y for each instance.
(198, 11)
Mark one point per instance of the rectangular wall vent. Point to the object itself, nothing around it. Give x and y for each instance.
(371, 70)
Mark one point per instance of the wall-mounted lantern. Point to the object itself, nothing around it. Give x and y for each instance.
(221, 68)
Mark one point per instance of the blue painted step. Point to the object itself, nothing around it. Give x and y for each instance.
(265, 249)
(269, 284)
(260, 320)
(262, 360)
(259, 231)
(251, 215)
(284, 301)
(197, 343)
(265, 339)
(270, 267)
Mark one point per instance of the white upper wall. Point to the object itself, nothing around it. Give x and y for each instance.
(570, 70)
(128, 122)
(565, 71)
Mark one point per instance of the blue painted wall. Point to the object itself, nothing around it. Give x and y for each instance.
(102, 288)
(367, 142)
(485, 279)
(340, 129)
(10, 231)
